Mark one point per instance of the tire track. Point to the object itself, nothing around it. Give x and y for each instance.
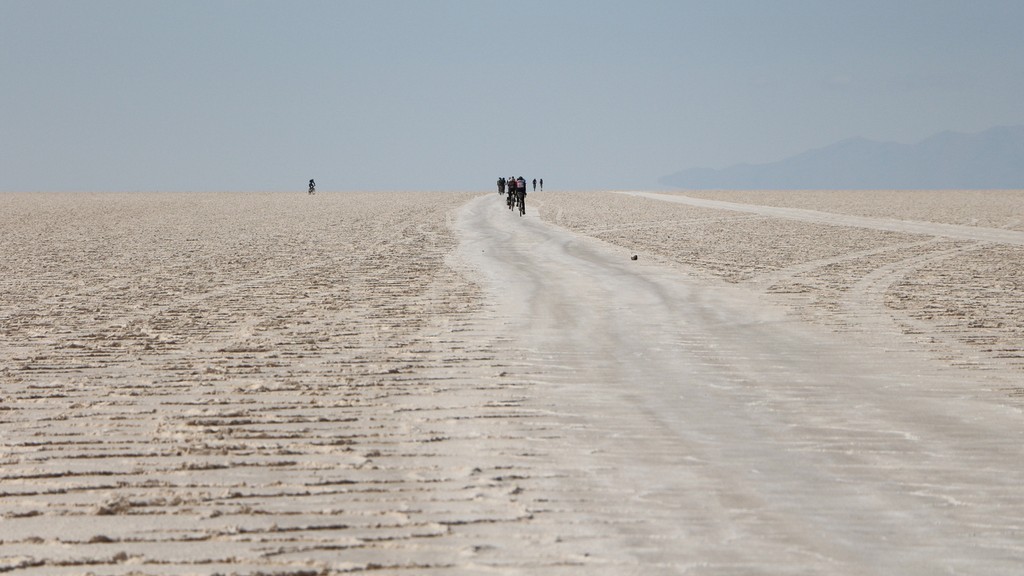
(725, 435)
(955, 231)
(905, 282)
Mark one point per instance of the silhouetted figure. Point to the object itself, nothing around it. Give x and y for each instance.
(521, 195)
(312, 186)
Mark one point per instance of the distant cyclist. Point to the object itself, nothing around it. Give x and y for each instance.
(521, 195)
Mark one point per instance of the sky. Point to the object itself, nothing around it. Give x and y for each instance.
(208, 95)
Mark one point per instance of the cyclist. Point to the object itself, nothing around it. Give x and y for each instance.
(521, 195)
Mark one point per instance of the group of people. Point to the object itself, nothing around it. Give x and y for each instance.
(513, 183)
(516, 191)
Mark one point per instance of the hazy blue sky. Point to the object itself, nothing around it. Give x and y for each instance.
(451, 94)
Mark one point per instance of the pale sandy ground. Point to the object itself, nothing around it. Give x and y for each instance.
(426, 383)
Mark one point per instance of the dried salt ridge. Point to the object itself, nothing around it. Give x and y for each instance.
(241, 383)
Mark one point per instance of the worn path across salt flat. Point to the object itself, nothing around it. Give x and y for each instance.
(1003, 236)
(714, 435)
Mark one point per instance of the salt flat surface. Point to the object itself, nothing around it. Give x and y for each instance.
(862, 262)
(428, 383)
(782, 446)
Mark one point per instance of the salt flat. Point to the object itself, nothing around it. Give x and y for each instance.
(426, 383)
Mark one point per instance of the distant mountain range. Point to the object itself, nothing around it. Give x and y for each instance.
(990, 159)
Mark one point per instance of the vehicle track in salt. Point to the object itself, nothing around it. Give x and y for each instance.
(941, 296)
(725, 434)
(951, 333)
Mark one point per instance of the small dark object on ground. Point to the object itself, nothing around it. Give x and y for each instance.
(633, 257)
